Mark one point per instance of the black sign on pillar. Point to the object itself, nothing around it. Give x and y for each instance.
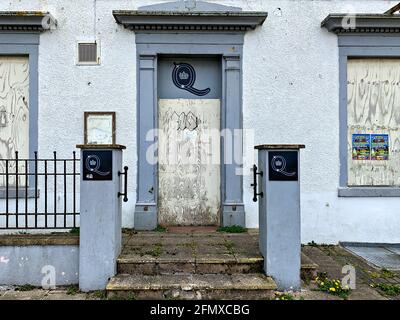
(283, 165)
(97, 165)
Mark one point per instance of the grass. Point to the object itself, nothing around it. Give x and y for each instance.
(100, 294)
(130, 296)
(383, 274)
(320, 245)
(156, 251)
(74, 231)
(332, 286)
(312, 244)
(230, 247)
(283, 296)
(232, 229)
(389, 289)
(160, 228)
(72, 290)
(25, 287)
(386, 274)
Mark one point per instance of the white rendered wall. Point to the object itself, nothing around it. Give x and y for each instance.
(291, 95)
(36, 265)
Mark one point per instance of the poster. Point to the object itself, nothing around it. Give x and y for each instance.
(379, 147)
(361, 146)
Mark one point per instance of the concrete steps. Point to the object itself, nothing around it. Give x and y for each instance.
(200, 265)
(194, 266)
(203, 265)
(191, 286)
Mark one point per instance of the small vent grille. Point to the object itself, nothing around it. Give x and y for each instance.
(87, 52)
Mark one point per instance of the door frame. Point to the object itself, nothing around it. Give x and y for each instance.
(151, 45)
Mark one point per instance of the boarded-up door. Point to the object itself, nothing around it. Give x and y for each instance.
(189, 155)
(14, 114)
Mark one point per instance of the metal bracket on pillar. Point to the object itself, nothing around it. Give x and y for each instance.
(254, 184)
(125, 193)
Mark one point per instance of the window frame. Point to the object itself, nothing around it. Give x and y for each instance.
(360, 46)
(25, 44)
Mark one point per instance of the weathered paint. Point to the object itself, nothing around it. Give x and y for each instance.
(189, 170)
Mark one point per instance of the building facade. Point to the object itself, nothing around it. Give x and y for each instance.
(283, 71)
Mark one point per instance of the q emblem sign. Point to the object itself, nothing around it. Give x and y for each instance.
(184, 77)
(283, 166)
(97, 165)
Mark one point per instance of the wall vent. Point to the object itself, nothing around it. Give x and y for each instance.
(88, 53)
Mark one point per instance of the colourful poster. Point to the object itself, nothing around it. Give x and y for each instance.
(361, 146)
(379, 147)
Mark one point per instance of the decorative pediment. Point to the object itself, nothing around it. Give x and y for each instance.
(362, 23)
(26, 21)
(188, 16)
(189, 5)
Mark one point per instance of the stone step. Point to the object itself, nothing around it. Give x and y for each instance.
(201, 265)
(309, 268)
(193, 286)
(133, 264)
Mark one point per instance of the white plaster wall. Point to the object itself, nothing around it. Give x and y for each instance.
(290, 96)
(36, 264)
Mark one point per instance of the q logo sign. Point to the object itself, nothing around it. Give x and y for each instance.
(93, 164)
(283, 165)
(278, 164)
(184, 77)
(97, 165)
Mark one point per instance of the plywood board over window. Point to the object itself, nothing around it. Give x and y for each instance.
(14, 114)
(374, 108)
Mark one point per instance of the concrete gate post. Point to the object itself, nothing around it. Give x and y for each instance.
(100, 214)
(278, 193)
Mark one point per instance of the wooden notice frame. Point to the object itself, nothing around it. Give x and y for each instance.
(103, 136)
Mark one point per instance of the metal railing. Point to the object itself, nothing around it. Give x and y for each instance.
(39, 193)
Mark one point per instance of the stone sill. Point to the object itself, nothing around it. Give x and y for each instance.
(368, 192)
(20, 240)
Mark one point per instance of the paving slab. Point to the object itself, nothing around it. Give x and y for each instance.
(379, 256)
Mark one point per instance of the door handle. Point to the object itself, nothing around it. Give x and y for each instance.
(254, 184)
(125, 193)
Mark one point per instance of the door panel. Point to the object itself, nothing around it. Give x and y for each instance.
(189, 156)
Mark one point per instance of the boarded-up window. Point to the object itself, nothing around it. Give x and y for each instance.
(373, 109)
(14, 115)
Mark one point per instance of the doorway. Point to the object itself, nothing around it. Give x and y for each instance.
(189, 121)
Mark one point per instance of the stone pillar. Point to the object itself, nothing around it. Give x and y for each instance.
(100, 215)
(279, 213)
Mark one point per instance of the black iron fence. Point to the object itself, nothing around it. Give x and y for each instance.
(39, 193)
